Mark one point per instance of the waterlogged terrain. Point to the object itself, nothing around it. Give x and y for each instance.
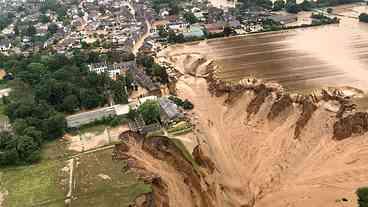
(300, 60)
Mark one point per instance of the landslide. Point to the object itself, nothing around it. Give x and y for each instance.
(259, 145)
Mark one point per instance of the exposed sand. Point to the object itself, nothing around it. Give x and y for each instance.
(2, 197)
(261, 159)
(179, 194)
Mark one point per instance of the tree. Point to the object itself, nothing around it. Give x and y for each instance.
(190, 18)
(150, 111)
(362, 194)
(146, 61)
(8, 148)
(160, 72)
(227, 31)
(90, 99)
(28, 149)
(278, 5)
(119, 93)
(292, 7)
(132, 114)
(55, 126)
(329, 10)
(70, 103)
(264, 3)
(31, 31)
(306, 5)
(363, 17)
(52, 28)
(44, 19)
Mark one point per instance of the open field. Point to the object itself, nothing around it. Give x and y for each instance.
(34, 185)
(88, 178)
(100, 181)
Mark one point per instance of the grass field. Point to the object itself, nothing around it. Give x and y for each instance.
(97, 180)
(34, 185)
(100, 181)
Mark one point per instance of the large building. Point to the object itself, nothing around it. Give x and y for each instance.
(113, 70)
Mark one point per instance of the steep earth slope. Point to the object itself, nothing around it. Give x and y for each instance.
(259, 146)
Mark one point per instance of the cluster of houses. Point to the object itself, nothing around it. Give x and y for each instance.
(101, 24)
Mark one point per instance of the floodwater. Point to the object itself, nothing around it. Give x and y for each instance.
(301, 60)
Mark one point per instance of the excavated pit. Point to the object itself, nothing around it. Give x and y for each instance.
(258, 146)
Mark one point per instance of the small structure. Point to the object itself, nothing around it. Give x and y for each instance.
(84, 118)
(194, 31)
(169, 110)
(114, 69)
(5, 45)
(139, 126)
(214, 28)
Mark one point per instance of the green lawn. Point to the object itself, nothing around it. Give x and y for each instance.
(100, 181)
(46, 183)
(33, 185)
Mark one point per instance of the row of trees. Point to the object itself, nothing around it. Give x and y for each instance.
(45, 88)
(5, 20)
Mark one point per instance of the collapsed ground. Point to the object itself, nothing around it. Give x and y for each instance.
(257, 148)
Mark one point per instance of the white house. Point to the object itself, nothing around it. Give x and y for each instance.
(5, 45)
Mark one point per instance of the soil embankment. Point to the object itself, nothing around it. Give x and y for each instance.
(259, 146)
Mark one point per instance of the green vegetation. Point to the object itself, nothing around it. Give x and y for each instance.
(150, 111)
(185, 152)
(101, 181)
(189, 17)
(156, 71)
(363, 17)
(278, 5)
(186, 104)
(33, 185)
(5, 20)
(45, 88)
(362, 194)
(320, 19)
(180, 128)
(173, 6)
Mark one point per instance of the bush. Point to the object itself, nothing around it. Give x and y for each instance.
(362, 194)
(186, 104)
(363, 17)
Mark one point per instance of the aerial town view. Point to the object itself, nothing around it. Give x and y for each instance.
(183, 103)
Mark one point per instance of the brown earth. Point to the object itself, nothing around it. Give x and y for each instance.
(259, 146)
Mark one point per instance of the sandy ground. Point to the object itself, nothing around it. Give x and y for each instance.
(89, 141)
(2, 197)
(179, 194)
(140, 42)
(261, 159)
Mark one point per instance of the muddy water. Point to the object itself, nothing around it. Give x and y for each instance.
(303, 59)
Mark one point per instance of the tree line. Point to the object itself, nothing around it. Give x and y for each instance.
(45, 89)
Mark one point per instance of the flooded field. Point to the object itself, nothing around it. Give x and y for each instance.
(303, 59)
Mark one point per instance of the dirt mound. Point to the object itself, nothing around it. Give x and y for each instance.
(159, 161)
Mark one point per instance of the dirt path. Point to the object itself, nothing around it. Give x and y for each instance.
(140, 42)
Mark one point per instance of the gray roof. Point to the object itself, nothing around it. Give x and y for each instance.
(169, 108)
